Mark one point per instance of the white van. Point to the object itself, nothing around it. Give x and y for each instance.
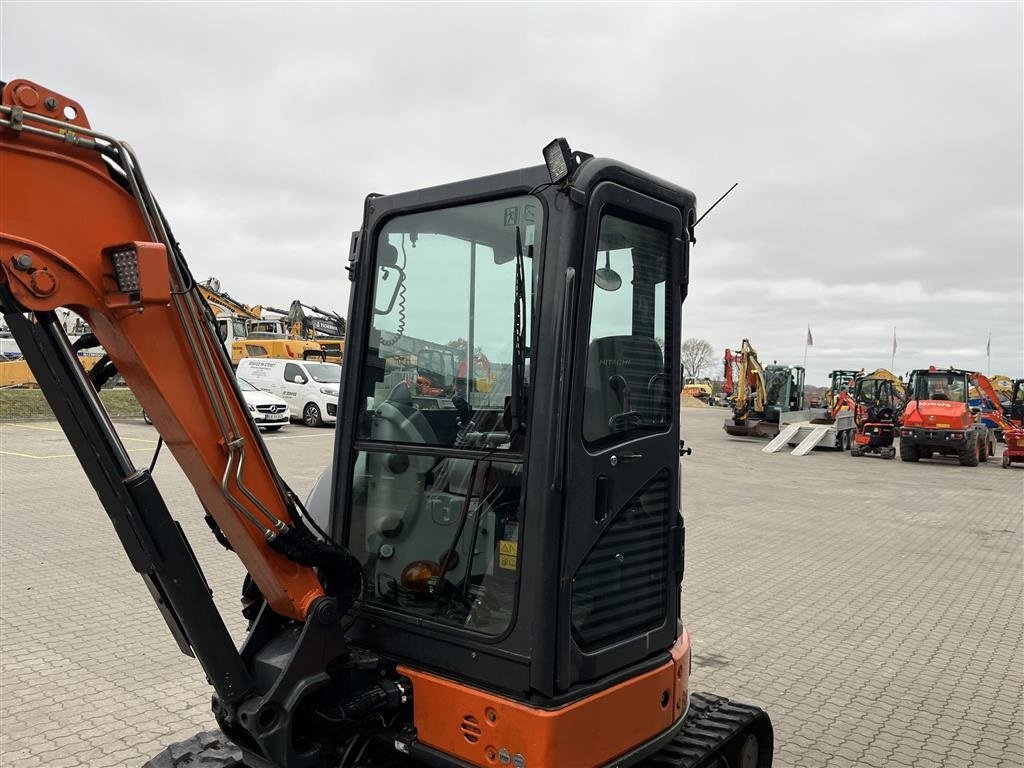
(309, 387)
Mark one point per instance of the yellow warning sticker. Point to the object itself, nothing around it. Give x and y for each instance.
(506, 547)
(508, 552)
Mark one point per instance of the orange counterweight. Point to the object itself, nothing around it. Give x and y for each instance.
(485, 729)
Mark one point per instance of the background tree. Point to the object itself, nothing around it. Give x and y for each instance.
(697, 357)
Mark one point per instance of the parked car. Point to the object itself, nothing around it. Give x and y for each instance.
(269, 411)
(310, 388)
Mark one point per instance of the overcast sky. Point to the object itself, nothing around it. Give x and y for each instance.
(878, 147)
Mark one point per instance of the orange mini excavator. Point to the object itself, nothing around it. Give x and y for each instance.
(488, 583)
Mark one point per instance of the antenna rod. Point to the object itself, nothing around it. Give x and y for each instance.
(709, 210)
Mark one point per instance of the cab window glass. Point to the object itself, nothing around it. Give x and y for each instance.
(441, 366)
(628, 382)
(291, 370)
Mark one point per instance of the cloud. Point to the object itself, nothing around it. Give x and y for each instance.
(878, 147)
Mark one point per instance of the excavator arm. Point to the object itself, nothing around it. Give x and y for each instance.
(110, 257)
(981, 382)
(727, 385)
(750, 375)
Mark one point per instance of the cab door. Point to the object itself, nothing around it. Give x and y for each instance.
(291, 390)
(622, 540)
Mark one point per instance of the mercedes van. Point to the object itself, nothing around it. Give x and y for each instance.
(310, 388)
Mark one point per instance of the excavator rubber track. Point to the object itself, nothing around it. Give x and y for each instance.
(713, 735)
(751, 428)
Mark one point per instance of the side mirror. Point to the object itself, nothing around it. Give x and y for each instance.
(298, 379)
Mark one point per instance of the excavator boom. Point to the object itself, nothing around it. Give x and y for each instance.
(117, 266)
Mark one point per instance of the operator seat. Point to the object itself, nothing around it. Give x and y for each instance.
(625, 374)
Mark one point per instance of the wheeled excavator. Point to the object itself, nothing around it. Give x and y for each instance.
(487, 586)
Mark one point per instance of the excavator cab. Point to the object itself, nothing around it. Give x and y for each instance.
(1016, 407)
(840, 381)
(493, 581)
(784, 391)
(529, 542)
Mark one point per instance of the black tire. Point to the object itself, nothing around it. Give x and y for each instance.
(856, 451)
(909, 451)
(983, 451)
(971, 453)
(888, 452)
(210, 749)
(925, 454)
(311, 416)
(273, 429)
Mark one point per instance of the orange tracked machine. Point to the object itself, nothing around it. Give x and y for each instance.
(485, 583)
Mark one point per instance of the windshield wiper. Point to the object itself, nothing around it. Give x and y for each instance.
(518, 340)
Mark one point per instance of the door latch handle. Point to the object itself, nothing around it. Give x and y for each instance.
(624, 458)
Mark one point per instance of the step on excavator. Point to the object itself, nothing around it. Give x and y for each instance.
(492, 585)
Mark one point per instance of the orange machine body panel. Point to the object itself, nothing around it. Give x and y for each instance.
(62, 211)
(937, 414)
(485, 729)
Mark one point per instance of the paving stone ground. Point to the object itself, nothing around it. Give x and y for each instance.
(873, 608)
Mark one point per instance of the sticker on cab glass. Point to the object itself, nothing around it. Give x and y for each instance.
(508, 552)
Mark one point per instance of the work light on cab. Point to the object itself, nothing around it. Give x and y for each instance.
(560, 160)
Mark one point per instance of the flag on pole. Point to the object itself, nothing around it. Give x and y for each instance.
(810, 339)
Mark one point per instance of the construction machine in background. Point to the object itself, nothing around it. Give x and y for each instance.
(272, 337)
(834, 426)
(700, 389)
(245, 332)
(749, 392)
(880, 398)
(412, 612)
(938, 419)
(15, 371)
(232, 316)
(1014, 436)
(993, 403)
(840, 390)
(323, 327)
(762, 395)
